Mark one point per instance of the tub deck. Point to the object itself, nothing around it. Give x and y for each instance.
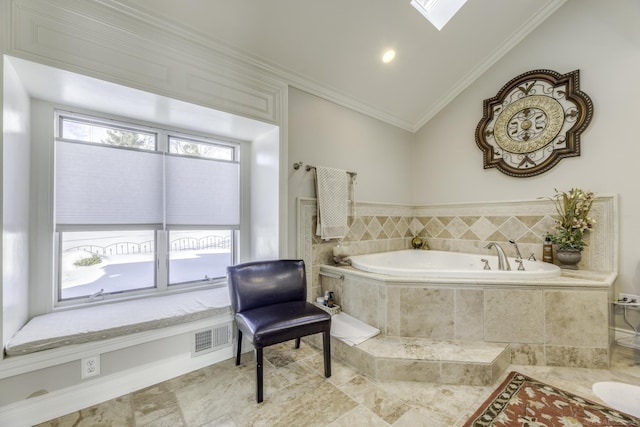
(602, 280)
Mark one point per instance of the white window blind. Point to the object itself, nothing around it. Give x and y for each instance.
(98, 185)
(202, 192)
(106, 185)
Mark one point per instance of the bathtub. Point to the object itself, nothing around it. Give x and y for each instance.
(448, 296)
(428, 263)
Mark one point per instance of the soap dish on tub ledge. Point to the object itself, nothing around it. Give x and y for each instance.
(331, 310)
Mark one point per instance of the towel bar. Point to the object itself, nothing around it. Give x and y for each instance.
(297, 165)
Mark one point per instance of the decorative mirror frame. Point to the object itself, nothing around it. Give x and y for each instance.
(533, 122)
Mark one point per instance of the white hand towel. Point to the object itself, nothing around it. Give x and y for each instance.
(332, 189)
(351, 330)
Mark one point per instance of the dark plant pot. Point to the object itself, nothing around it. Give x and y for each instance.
(569, 258)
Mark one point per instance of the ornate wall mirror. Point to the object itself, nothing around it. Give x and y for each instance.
(534, 121)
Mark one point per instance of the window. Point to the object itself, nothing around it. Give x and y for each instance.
(140, 209)
(196, 255)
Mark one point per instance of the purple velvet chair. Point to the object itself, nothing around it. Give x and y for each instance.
(269, 301)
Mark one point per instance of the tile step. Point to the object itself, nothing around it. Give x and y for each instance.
(422, 359)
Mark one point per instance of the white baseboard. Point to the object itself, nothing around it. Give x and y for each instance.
(42, 408)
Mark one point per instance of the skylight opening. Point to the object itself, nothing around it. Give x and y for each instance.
(438, 12)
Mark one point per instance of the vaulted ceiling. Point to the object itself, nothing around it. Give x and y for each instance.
(333, 48)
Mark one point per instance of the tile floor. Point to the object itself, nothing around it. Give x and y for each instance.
(297, 394)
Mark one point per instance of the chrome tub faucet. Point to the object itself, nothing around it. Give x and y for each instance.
(503, 262)
(515, 245)
(519, 258)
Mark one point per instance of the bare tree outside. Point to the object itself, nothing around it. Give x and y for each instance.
(125, 138)
(189, 147)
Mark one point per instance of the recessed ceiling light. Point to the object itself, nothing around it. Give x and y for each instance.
(438, 12)
(388, 56)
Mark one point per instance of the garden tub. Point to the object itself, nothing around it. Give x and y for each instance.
(428, 263)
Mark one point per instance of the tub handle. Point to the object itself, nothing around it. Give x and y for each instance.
(486, 264)
(520, 265)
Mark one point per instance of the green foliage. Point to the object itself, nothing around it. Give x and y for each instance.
(573, 218)
(85, 262)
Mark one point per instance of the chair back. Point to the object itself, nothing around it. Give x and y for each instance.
(260, 283)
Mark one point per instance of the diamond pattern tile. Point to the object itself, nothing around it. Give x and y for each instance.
(513, 228)
(529, 229)
(530, 221)
(545, 225)
(389, 227)
(497, 237)
(483, 228)
(445, 234)
(445, 220)
(416, 226)
(469, 235)
(469, 220)
(529, 237)
(374, 228)
(423, 219)
(497, 221)
(357, 230)
(434, 227)
(403, 227)
(457, 227)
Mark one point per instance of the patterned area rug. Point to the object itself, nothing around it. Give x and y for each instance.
(524, 402)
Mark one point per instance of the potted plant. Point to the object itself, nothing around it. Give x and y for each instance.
(573, 221)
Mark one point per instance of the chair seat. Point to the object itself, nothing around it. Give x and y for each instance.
(265, 326)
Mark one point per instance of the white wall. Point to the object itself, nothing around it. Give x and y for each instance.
(265, 166)
(15, 204)
(325, 134)
(602, 40)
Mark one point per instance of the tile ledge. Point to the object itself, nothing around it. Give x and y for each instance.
(567, 279)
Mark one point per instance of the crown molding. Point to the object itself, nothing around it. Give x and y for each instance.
(236, 58)
(263, 65)
(106, 40)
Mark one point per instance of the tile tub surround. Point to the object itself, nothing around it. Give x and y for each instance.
(467, 313)
(563, 321)
(464, 227)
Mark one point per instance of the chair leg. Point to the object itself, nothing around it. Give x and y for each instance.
(326, 348)
(259, 375)
(297, 342)
(239, 347)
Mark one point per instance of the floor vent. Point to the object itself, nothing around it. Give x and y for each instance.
(207, 340)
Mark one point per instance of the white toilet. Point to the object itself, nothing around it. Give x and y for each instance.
(620, 396)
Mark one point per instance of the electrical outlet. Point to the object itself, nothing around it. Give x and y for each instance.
(90, 366)
(629, 298)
